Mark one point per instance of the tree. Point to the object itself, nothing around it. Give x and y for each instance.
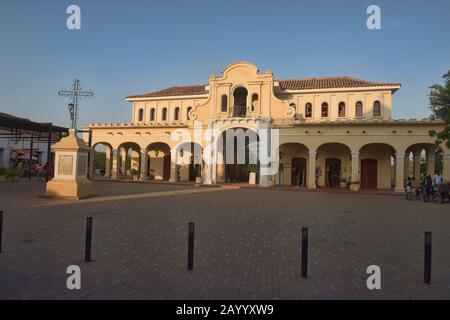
(440, 107)
(100, 160)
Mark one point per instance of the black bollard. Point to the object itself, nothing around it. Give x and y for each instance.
(427, 258)
(1, 228)
(190, 258)
(88, 243)
(305, 253)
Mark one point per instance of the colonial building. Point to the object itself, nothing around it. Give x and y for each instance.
(329, 131)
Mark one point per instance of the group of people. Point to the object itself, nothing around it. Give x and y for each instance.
(428, 186)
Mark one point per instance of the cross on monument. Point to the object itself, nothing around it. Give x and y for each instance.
(75, 93)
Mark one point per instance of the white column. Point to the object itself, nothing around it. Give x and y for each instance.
(263, 178)
(123, 161)
(173, 167)
(143, 171)
(312, 170)
(265, 156)
(430, 161)
(91, 163)
(399, 172)
(115, 164)
(416, 172)
(355, 172)
(406, 166)
(210, 158)
(108, 163)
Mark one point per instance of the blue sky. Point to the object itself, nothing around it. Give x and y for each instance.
(133, 47)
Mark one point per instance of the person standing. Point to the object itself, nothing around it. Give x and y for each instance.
(409, 190)
(437, 180)
(40, 171)
(428, 186)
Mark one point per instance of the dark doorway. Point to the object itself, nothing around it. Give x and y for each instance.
(195, 169)
(166, 170)
(240, 172)
(298, 171)
(332, 172)
(240, 102)
(369, 173)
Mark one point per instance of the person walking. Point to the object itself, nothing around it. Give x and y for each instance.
(40, 171)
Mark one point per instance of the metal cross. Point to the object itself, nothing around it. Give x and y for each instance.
(75, 93)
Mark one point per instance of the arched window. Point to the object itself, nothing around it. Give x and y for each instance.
(359, 109)
(324, 110)
(308, 110)
(176, 114)
(240, 102)
(376, 109)
(341, 109)
(255, 100)
(152, 114)
(224, 103)
(141, 115)
(164, 114)
(187, 113)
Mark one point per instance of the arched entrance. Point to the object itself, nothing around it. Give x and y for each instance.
(333, 164)
(423, 158)
(102, 159)
(129, 160)
(158, 164)
(238, 148)
(293, 158)
(240, 102)
(377, 166)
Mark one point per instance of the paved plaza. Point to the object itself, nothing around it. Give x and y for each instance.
(247, 244)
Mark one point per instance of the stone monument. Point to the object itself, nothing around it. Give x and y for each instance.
(71, 168)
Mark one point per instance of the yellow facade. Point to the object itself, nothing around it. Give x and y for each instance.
(330, 130)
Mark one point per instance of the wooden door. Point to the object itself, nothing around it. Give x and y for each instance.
(166, 169)
(369, 174)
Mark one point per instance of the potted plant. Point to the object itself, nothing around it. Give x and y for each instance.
(354, 185)
(13, 174)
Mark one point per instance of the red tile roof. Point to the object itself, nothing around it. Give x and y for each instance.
(175, 91)
(329, 83)
(291, 84)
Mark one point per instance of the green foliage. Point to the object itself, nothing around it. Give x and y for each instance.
(2, 171)
(100, 160)
(440, 107)
(13, 173)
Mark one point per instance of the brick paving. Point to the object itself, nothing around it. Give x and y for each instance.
(247, 244)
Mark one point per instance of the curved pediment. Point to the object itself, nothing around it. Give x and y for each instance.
(240, 69)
